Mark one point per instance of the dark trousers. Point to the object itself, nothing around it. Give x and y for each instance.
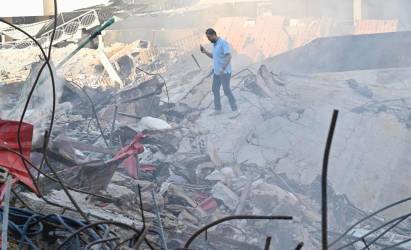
(224, 80)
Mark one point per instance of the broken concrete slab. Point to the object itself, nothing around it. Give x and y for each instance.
(224, 194)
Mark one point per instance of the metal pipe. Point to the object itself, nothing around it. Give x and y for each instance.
(83, 43)
(234, 217)
(113, 125)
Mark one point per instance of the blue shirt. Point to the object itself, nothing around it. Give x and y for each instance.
(220, 49)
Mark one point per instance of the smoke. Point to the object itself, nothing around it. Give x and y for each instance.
(40, 108)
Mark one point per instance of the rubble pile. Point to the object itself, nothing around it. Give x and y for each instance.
(147, 154)
(85, 67)
(156, 135)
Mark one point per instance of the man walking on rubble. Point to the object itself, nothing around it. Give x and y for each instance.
(221, 56)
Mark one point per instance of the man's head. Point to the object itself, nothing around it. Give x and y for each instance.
(211, 35)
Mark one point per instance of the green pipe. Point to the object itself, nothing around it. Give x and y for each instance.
(83, 43)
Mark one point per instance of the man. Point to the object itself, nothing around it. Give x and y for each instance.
(221, 56)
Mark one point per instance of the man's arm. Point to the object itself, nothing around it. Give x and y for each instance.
(204, 51)
(227, 60)
(227, 57)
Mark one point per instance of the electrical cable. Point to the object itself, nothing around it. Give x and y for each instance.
(47, 62)
(118, 224)
(22, 221)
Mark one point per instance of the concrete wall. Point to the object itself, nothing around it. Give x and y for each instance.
(158, 37)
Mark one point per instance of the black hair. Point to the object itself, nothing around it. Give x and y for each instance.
(211, 31)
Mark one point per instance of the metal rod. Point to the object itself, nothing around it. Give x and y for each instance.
(113, 125)
(93, 109)
(369, 216)
(367, 246)
(157, 211)
(195, 60)
(267, 243)
(299, 246)
(396, 245)
(144, 230)
(324, 225)
(6, 206)
(141, 238)
(365, 243)
(398, 219)
(128, 115)
(234, 217)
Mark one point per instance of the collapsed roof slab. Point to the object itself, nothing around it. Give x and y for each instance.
(347, 53)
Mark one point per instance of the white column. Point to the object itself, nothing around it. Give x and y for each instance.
(357, 10)
(48, 7)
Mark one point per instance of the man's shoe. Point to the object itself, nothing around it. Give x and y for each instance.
(234, 114)
(216, 112)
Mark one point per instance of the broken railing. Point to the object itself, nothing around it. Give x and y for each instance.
(65, 31)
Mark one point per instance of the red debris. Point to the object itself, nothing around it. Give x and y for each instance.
(131, 151)
(375, 26)
(209, 205)
(11, 161)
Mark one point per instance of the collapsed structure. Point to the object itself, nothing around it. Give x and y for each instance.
(135, 159)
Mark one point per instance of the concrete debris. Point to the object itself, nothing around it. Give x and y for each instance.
(225, 195)
(151, 123)
(155, 135)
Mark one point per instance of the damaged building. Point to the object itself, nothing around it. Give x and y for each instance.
(108, 139)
